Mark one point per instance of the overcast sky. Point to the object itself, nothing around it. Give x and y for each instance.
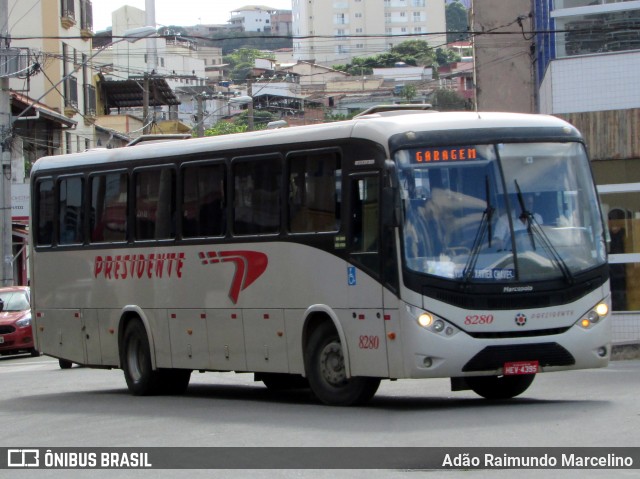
(180, 12)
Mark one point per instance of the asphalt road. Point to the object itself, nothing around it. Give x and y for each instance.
(44, 406)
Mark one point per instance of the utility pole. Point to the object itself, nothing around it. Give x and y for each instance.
(200, 115)
(250, 126)
(6, 245)
(152, 64)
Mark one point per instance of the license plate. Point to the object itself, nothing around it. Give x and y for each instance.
(1, 339)
(521, 367)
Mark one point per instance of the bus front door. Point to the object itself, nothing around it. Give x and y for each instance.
(365, 328)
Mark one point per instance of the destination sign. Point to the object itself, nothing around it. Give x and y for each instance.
(444, 154)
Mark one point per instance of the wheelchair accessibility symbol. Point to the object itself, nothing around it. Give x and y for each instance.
(351, 275)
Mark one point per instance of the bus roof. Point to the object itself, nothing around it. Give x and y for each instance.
(377, 127)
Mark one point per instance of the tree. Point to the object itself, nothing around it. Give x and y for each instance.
(408, 92)
(240, 123)
(444, 56)
(411, 52)
(457, 22)
(242, 62)
(225, 128)
(448, 100)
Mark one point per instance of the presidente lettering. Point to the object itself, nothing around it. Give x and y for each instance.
(139, 266)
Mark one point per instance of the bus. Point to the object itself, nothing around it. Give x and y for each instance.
(328, 257)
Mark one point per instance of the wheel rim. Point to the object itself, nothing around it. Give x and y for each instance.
(332, 364)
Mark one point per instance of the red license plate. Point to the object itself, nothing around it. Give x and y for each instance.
(521, 367)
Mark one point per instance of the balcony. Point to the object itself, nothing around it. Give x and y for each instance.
(70, 96)
(67, 13)
(86, 19)
(90, 104)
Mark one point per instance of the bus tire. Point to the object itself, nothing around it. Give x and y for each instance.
(174, 381)
(283, 382)
(135, 358)
(500, 387)
(324, 364)
(65, 364)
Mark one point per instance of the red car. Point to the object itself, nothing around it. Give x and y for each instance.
(15, 321)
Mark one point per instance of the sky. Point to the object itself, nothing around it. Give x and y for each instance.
(181, 12)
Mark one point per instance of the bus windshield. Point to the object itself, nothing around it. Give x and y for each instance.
(502, 212)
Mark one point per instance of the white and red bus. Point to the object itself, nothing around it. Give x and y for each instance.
(395, 245)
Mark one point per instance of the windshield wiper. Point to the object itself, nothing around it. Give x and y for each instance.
(485, 225)
(534, 229)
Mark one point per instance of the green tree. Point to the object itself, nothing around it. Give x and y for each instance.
(408, 92)
(241, 62)
(457, 22)
(448, 100)
(411, 52)
(225, 128)
(444, 56)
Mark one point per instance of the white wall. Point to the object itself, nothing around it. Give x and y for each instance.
(591, 83)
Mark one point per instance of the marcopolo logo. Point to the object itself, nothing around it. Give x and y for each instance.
(249, 266)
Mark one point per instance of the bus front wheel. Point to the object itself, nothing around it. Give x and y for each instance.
(324, 364)
(500, 387)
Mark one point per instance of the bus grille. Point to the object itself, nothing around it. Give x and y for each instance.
(494, 357)
(7, 329)
(518, 334)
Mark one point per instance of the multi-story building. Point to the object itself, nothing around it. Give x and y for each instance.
(330, 33)
(587, 72)
(579, 60)
(58, 36)
(169, 63)
(253, 18)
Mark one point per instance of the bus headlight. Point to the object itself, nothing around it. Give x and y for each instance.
(595, 315)
(602, 309)
(431, 322)
(425, 320)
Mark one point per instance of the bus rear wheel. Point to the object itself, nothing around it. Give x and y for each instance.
(500, 387)
(324, 364)
(135, 358)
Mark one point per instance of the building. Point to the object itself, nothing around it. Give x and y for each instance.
(330, 33)
(165, 64)
(588, 74)
(502, 54)
(253, 18)
(578, 60)
(59, 41)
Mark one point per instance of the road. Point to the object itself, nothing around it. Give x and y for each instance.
(44, 406)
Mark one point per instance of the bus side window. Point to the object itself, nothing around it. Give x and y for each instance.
(313, 196)
(45, 203)
(256, 201)
(108, 218)
(203, 201)
(70, 210)
(155, 204)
